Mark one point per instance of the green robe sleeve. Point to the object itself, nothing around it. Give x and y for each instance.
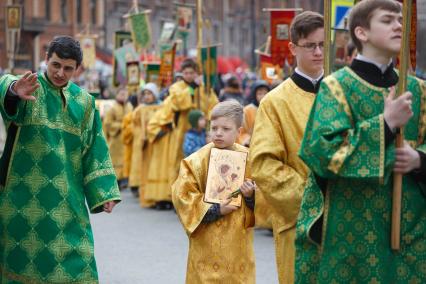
(335, 144)
(5, 82)
(100, 182)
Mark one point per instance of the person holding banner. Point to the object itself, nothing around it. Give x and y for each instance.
(56, 160)
(278, 130)
(344, 225)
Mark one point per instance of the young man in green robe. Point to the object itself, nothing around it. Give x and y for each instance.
(343, 229)
(55, 160)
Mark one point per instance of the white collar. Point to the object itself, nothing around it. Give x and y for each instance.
(313, 80)
(382, 67)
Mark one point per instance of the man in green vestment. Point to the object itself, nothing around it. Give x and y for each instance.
(343, 228)
(55, 160)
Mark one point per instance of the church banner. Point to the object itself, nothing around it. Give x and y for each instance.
(268, 71)
(209, 63)
(152, 72)
(88, 46)
(280, 36)
(141, 30)
(166, 67)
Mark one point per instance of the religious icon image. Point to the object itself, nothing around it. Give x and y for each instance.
(225, 175)
(13, 17)
(282, 32)
(133, 73)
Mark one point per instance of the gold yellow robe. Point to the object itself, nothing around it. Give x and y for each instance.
(112, 126)
(127, 139)
(175, 111)
(157, 187)
(141, 150)
(262, 210)
(219, 252)
(276, 167)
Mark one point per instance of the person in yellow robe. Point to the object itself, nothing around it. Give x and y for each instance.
(278, 132)
(127, 140)
(112, 125)
(141, 149)
(259, 89)
(184, 96)
(220, 235)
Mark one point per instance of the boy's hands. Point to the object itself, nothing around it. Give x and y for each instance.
(108, 206)
(406, 159)
(226, 208)
(398, 111)
(248, 188)
(26, 86)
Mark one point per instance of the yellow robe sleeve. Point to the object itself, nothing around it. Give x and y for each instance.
(248, 124)
(281, 184)
(127, 132)
(112, 125)
(188, 198)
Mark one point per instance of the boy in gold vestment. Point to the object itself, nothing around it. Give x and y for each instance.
(278, 131)
(220, 235)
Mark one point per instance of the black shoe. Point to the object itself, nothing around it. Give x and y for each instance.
(135, 191)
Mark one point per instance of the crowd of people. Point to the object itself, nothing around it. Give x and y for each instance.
(321, 157)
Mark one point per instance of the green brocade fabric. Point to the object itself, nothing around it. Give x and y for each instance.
(344, 142)
(59, 161)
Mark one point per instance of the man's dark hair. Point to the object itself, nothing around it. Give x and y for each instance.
(233, 83)
(362, 13)
(189, 63)
(65, 47)
(304, 24)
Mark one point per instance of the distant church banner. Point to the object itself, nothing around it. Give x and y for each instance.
(280, 36)
(141, 30)
(88, 45)
(209, 62)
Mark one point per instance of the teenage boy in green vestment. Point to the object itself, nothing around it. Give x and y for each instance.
(55, 160)
(343, 229)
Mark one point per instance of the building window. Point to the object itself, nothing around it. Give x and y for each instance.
(79, 11)
(64, 11)
(47, 9)
(93, 11)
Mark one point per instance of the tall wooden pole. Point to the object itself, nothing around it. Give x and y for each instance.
(199, 43)
(402, 86)
(327, 37)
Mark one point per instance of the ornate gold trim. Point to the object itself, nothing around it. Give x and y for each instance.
(382, 149)
(18, 132)
(422, 117)
(96, 174)
(338, 93)
(325, 217)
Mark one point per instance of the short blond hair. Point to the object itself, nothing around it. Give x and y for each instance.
(230, 109)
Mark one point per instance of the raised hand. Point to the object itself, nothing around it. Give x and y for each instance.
(26, 86)
(398, 111)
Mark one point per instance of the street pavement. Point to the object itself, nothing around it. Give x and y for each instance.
(135, 245)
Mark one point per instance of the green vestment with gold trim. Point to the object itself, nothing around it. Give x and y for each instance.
(58, 162)
(344, 144)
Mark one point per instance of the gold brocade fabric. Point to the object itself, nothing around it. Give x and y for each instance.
(112, 126)
(219, 252)
(248, 124)
(141, 150)
(157, 183)
(276, 167)
(183, 102)
(262, 211)
(127, 139)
